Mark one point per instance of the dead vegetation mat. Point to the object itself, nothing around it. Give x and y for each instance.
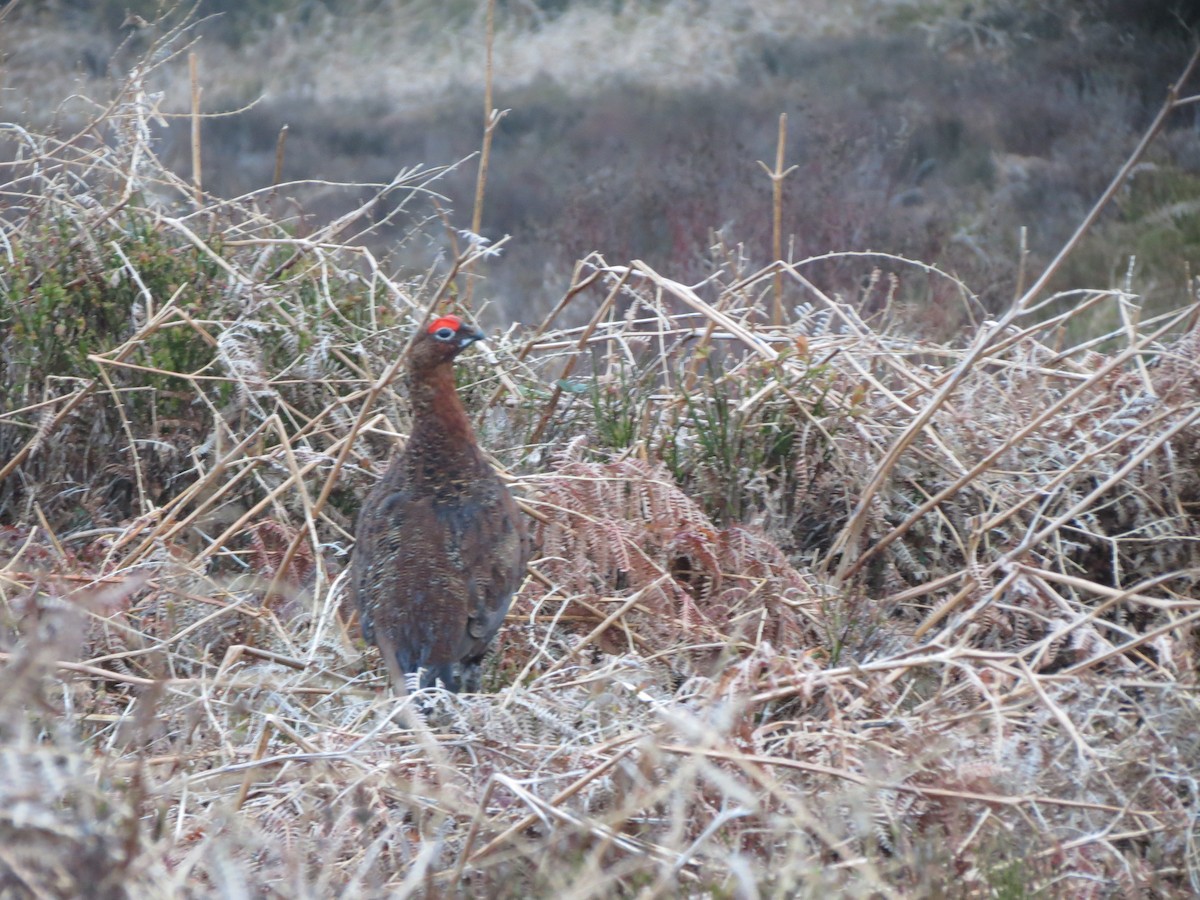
(817, 606)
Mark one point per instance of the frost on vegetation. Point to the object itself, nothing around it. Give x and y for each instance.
(699, 685)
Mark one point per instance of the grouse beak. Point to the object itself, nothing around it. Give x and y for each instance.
(467, 335)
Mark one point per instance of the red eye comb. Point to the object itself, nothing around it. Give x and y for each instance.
(452, 322)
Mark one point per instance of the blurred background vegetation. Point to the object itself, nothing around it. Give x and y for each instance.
(935, 130)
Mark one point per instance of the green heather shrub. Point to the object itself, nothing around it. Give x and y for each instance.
(60, 304)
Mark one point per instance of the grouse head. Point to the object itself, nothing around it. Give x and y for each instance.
(441, 342)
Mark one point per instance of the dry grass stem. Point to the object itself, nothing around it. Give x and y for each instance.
(818, 608)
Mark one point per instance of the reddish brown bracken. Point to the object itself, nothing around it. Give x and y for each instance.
(440, 546)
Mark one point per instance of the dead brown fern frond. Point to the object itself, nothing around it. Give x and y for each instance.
(610, 529)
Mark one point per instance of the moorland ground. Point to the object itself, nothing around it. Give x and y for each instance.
(865, 568)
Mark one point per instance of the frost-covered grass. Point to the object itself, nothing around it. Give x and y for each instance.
(819, 607)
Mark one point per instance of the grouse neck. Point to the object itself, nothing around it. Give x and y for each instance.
(439, 424)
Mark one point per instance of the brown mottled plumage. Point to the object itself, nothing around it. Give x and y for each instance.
(440, 546)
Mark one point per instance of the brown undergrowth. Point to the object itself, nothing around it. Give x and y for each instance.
(817, 607)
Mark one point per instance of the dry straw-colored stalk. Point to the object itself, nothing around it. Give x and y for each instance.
(944, 621)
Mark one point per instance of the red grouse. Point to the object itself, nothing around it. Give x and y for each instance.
(440, 547)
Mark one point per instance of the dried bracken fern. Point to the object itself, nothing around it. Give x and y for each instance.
(624, 529)
(758, 652)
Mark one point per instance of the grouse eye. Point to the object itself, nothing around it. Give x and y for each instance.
(444, 333)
